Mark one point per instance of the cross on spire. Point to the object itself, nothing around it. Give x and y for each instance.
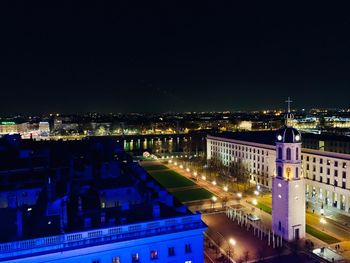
(289, 101)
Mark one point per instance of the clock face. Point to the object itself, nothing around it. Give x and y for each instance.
(297, 137)
(279, 137)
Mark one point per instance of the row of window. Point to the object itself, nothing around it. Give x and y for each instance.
(328, 162)
(135, 258)
(238, 147)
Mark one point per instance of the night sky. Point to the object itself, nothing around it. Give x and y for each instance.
(200, 56)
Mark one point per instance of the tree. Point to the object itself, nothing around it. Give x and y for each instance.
(239, 171)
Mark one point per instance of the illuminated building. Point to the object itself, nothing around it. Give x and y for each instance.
(326, 173)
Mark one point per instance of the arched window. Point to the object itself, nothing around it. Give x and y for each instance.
(279, 171)
(296, 172)
(297, 154)
(279, 153)
(288, 153)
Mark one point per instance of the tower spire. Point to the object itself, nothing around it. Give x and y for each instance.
(289, 116)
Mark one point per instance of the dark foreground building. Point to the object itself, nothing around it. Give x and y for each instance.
(88, 201)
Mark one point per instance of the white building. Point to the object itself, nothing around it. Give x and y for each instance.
(326, 174)
(177, 239)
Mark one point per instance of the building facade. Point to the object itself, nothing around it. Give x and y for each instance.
(326, 174)
(171, 240)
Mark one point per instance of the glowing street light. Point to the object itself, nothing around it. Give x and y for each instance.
(195, 174)
(181, 166)
(170, 161)
(323, 222)
(254, 202)
(232, 242)
(225, 188)
(187, 169)
(213, 182)
(214, 198)
(239, 195)
(204, 178)
(175, 163)
(256, 192)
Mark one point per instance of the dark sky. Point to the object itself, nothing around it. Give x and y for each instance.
(59, 57)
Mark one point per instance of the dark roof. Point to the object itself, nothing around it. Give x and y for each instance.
(269, 137)
(262, 137)
(288, 135)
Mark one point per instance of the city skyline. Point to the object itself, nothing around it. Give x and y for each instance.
(161, 58)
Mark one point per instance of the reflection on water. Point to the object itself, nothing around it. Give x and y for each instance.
(164, 145)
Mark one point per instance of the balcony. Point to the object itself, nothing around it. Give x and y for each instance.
(99, 236)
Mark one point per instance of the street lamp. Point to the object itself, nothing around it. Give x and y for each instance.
(231, 244)
(214, 199)
(225, 188)
(239, 195)
(195, 174)
(187, 169)
(323, 222)
(213, 182)
(254, 202)
(256, 192)
(204, 178)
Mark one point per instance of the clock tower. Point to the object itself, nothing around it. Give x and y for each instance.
(288, 187)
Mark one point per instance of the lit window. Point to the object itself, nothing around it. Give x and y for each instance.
(135, 258)
(116, 260)
(154, 254)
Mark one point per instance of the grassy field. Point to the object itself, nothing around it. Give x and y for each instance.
(192, 195)
(170, 179)
(264, 207)
(321, 235)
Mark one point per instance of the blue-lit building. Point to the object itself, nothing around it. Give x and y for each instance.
(87, 201)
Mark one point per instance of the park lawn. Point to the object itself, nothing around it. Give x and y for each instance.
(170, 179)
(192, 195)
(264, 207)
(155, 167)
(321, 235)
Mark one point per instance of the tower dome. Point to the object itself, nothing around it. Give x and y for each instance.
(288, 134)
